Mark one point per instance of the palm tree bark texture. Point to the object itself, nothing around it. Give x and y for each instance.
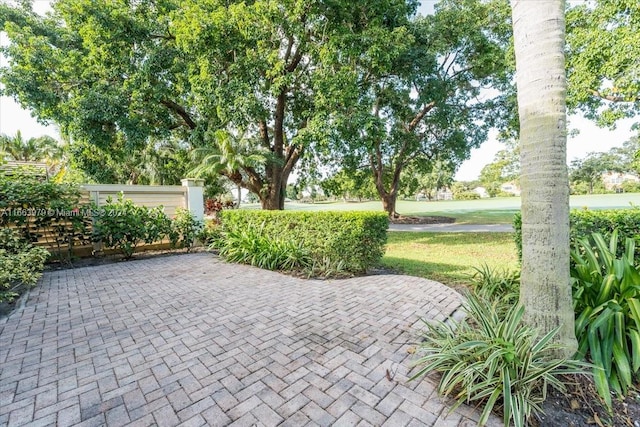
(539, 36)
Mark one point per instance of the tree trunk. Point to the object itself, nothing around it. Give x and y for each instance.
(545, 288)
(273, 197)
(239, 195)
(389, 204)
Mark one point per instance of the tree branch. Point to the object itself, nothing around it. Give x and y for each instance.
(180, 111)
(613, 98)
(416, 120)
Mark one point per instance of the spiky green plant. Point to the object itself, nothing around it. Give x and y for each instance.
(493, 284)
(250, 246)
(492, 358)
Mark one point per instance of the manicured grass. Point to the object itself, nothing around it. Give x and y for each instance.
(484, 211)
(448, 258)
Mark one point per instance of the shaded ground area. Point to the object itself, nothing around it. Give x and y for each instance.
(190, 340)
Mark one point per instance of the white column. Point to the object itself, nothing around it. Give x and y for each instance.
(195, 196)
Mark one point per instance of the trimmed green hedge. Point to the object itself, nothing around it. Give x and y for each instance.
(350, 242)
(585, 222)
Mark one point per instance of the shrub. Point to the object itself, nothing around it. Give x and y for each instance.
(606, 297)
(466, 195)
(585, 222)
(492, 358)
(211, 233)
(38, 208)
(336, 241)
(185, 230)
(213, 206)
(122, 225)
(21, 264)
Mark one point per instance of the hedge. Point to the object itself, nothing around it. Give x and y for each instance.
(585, 222)
(351, 242)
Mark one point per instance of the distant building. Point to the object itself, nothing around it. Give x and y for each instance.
(482, 192)
(511, 188)
(613, 180)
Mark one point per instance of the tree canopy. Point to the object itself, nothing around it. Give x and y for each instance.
(118, 75)
(420, 95)
(603, 47)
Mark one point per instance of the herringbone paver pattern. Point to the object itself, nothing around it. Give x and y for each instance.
(189, 340)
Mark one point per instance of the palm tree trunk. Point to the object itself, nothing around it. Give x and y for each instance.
(539, 35)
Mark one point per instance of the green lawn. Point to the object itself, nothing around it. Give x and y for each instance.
(484, 211)
(449, 258)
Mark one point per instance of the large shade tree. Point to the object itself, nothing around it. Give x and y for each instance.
(119, 74)
(545, 292)
(603, 40)
(420, 93)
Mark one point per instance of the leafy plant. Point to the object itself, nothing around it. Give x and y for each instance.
(251, 246)
(122, 225)
(606, 294)
(21, 264)
(502, 286)
(184, 230)
(213, 206)
(42, 210)
(494, 359)
(210, 234)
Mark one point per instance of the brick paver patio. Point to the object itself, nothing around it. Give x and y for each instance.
(190, 340)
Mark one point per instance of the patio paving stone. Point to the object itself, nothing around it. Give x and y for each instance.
(191, 340)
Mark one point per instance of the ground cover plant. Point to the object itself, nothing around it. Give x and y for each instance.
(492, 358)
(21, 264)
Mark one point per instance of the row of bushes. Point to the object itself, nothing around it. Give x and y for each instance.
(319, 243)
(21, 264)
(122, 225)
(585, 222)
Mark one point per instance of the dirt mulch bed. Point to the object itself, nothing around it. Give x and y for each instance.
(402, 219)
(582, 407)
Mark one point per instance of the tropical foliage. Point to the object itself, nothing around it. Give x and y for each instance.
(606, 297)
(492, 358)
(21, 264)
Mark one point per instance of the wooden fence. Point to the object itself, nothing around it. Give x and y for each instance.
(188, 196)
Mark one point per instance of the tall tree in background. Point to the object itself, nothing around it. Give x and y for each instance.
(504, 168)
(603, 39)
(418, 93)
(39, 149)
(590, 169)
(545, 292)
(119, 75)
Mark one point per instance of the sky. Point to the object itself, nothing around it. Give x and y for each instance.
(589, 139)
